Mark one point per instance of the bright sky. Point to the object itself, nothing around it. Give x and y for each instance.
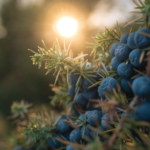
(99, 18)
(26, 3)
(102, 17)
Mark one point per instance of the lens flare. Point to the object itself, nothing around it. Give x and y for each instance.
(67, 26)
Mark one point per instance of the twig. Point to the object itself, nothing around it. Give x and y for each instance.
(72, 124)
(130, 22)
(121, 109)
(70, 143)
(121, 124)
(78, 109)
(135, 76)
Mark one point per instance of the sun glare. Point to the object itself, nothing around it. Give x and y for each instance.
(67, 26)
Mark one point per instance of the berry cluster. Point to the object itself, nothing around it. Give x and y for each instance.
(126, 58)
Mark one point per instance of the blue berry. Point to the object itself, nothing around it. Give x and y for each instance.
(125, 85)
(81, 101)
(142, 112)
(104, 123)
(115, 63)
(97, 76)
(124, 38)
(86, 85)
(141, 86)
(130, 41)
(112, 49)
(82, 118)
(94, 118)
(75, 135)
(71, 91)
(122, 52)
(90, 94)
(18, 147)
(146, 99)
(106, 85)
(87, 133)
(71, 117)
(122, 114)
(63, 126)
(53, 142)
(88, 112)
(73, 78)
(141, 40)
(69, 147)
(90, 107)
(108, 67)
(125, 70)
(74, 111)
(63, 116)
(134, 58)
(66, 136)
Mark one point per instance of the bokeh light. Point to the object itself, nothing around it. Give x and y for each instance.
(67, 26)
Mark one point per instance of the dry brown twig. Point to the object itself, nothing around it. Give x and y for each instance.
(121, 124)
(75, 145)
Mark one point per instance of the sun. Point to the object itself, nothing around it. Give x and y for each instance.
(67, 26)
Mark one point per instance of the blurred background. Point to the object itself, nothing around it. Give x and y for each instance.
(24, 23)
